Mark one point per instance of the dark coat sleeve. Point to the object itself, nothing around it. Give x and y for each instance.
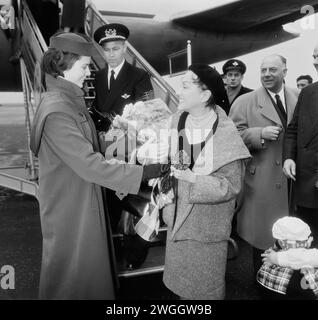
(290, 139)
(99, 84)
(143, 86)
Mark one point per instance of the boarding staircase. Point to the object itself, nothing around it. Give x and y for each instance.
(24, 179)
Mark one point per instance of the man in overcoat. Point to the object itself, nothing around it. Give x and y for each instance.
(301, 154)
(261, 117)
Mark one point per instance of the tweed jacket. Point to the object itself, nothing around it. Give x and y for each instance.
(203, 210)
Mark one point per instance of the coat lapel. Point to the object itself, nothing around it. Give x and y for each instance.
(290, 101)
(266, 106)
(183, 207)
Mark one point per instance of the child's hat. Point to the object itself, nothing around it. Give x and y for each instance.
(291, 228)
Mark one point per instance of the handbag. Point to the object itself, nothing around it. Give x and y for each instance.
(137, 204)
(134, 207)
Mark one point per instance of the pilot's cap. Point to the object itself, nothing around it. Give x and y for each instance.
(234, 65)
(212, 79)
(111, 32)
(72, 42)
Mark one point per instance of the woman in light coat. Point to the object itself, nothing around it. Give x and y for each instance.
(76, 258)
(199, 221)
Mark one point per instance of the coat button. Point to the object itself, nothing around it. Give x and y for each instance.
(278, 185)
(277, 162)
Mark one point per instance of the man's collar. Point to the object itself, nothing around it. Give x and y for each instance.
(117, 69)
(280, 92)
(237, 89)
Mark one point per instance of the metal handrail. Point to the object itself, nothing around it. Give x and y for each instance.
(94, 20)
(34, 25)
(33, 46)
(187, 51)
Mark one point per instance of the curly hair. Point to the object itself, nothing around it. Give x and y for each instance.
(55, 62)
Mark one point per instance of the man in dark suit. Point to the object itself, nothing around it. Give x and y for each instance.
(233, 71)
(300, 154)
(119, 83)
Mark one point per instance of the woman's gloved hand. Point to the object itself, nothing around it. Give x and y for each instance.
(156, 170)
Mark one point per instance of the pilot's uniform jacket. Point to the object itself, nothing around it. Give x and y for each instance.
(132, 84)
(76, 261)
(265, 196)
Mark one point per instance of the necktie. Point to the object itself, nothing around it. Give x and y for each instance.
(112, 79)
(280, 106)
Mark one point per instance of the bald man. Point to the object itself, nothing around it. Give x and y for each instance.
(301, 154)
(261, 117)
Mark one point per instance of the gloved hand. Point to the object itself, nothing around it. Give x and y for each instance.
(156, 170)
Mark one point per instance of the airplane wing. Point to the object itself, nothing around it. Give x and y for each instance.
(240, 15)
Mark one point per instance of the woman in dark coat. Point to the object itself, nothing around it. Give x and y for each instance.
(199, 222)
(76, 263)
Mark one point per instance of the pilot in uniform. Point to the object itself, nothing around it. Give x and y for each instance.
(119, 83)
(233, 71)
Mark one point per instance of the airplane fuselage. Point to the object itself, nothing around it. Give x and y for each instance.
(155, 40)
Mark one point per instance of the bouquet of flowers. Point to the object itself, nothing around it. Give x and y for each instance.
(134, 138)
(7, 17)
(140, 124)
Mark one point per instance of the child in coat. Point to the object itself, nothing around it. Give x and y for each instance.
(290, 267)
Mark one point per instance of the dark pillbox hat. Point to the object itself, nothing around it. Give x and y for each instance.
(111, 32)
(214, 82)
(72, 42)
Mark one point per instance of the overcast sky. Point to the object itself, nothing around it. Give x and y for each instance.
(298, 53)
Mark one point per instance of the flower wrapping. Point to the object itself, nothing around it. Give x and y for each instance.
(134, 137)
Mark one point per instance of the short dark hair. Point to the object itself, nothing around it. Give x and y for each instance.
(54, 61)
(305, 77)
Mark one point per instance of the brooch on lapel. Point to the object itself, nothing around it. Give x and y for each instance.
(125, 96)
